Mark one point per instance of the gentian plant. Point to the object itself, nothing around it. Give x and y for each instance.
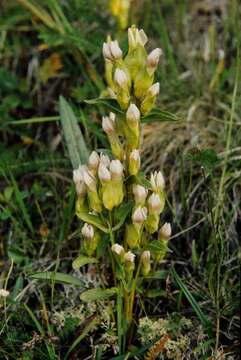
(120, 207)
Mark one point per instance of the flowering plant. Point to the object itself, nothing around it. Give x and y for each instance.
(119, 206)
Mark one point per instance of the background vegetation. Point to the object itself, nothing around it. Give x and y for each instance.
(50, 48)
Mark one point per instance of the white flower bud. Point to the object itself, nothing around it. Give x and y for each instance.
(87, 231)
(140, 193)
(133, 114)
(111, 50)
(94, 160)
(103, 173)
(89, 178)
(115, 50)
(154, 203)
(165, 231)
(108, 125)
(129, 256)
(121, 78)
(153, 58)
(104, 159)
(139, 215)
(154, 89)
(117, 249)
(116, 169)
(4, 293)
(157, 181)
(106, 51)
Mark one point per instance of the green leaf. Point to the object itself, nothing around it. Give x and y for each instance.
(121, 213)
(102, 245)
(57, 277)
(82, 260)
(109, 104)
(76, 145)
(141, 180)
(156, 246)
(157, 115)
(93, 220)
(98, 294)
(204, 320)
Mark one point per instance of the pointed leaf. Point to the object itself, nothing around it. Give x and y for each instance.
(82, 260)
(74, 139)
(158, 115)
(121, 213)
(57, 277)
(109, 104)
(93, 220)
(98, 294)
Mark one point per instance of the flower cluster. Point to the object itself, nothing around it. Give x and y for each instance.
(111, 183)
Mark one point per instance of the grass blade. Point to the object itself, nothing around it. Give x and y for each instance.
(205, 322)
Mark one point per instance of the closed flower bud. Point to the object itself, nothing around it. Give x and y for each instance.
(133, 114)
(139, 215)
(129, 256)
(116, 169)
(121, 78)
(129, 259)
(140, 194)
(87, 231)
(154, 90)
(117, 249)
(103, 173)
(153, 59)
(94, 160)
(155, 205)
(111, 50)
(165, 231)
(134, 162)
(157, 181)
(108, 125)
